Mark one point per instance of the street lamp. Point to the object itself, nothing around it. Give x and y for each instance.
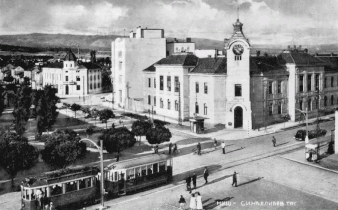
(100, 149)
(306, 116)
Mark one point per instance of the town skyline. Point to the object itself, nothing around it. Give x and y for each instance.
(265, 21)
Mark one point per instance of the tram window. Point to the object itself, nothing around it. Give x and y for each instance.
(89, 182)
(144, 170)
(56, 190)
(115, 176)
(138, 172)
(70, 186)
(82, 184)
(162, 167)
(25, 194)
(150, 171)
(155, 167)
(130, 174)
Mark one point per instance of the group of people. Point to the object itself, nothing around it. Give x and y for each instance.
(172, 148)
(195, 201)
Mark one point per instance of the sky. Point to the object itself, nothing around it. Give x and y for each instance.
(300, 22)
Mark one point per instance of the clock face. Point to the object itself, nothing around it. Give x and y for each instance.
(238, 49)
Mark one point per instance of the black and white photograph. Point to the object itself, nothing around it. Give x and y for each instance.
(168, 104)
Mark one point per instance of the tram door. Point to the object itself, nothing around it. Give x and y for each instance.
(122, 182)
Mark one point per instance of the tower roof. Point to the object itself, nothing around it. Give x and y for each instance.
(70, 56)
(237, 34)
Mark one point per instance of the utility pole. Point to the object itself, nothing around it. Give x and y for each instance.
(264, 99)
(84, 99)
(128, 87)
(179, 103)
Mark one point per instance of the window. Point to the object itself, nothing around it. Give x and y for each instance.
(98, 85)
(66, 78)
(167, 53)
(149, 100)
(71, 186)
(206, 88)
(196, 108)
(169, 83)
(332, 98)
(301, 83)
(120, 65)
(317, 82)
(177, 84)
(325, 82)
(309, 84)
(325, 101)
(154, 82)
(120, 96)
(77, 87)
(154, 100)
(205, 109)
(238, 90)
(120, 79)
(77, 78)
(94, 77)
(197, 88)
(279, 107)
(176, 105)
(309, 103)
(332, 81)
(300, 104)
(270, 87)
(270, 109)
(91, 78)
(279, 87)
(161, 82)
(238, 57)
(71, 65)
(94, 85)
(149, 82)
(161, 103)
(91, 86)
(98, 77)
(169, 104)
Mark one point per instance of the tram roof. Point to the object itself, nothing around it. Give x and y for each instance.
(132, 163)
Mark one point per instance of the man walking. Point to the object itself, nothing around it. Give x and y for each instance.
(188, 181)
(182, 202)
(234, 179)
(199, 148)
(274, 141)
(223, 147)
(206, 174)
(215, 143)
(194, 178)
(170, 145)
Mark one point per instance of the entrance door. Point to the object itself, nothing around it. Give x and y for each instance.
(67, 89)
(238, 117)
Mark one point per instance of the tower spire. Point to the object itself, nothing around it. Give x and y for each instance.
(237, 10)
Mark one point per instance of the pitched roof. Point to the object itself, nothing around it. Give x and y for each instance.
(185, 59)
(150, 68)
(90, 65)
(299, 59)
(70, 56)
(265, 64)
(331, 63)
(58, 65)
(211, 66)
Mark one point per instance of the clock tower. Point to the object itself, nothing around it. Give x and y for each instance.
(238, 105)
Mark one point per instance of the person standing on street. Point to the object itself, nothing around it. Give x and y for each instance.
(194, 179)
(192, 201)
(170, 145)
(234, 179)
(188, 181)
(199, 205)
(199, 148)
(274, 141)
(182, 202)
(223, 147)
(215, 143)
(206, 174)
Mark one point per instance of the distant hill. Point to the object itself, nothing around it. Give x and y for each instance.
(103, 42)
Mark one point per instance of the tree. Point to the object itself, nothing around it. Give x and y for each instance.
(2, 101)
(158, 135)
(45, 108)
(140, 128)
(285, 117)
(22, 106)
(16, 154)
(105, 115)
(75, 107)
(117, 139)
(63, 148)
(89, 130)
(94, 113)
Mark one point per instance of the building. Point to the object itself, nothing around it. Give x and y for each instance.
(239, 90)
(203, 53)
(177, 46)
(129, 57)
(71, 78)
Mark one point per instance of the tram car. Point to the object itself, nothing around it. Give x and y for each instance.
(75, 188)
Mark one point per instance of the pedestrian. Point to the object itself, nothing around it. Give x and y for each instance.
(223, 147)
(234, 179)
(156, 149)
(182, 202)
(215, 143)
(206, 174)
(188, 181)
(170, 145)
(199, 205)
(199, 148)
(193, 201)
(194, 179)
(175, 149)
(274, 141)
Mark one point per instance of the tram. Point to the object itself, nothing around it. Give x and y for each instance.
(75, 188)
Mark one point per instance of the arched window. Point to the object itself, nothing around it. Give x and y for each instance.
(91, 86)
(161, 103)
(154, 100)
(176, 105)
(91, 77)
(270, 109)
(149, 100)
(205, 109)
(169, 104)
(98, 85)
(279, 107)
(94, 77)
(325, 100)
(94, 86)
(196, 108)
(332, 98)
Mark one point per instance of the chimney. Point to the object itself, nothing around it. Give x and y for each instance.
(300, 47)
(258, 53)
(188, 39)
(93, 56)
(175, 40)
(216, 53)
(289, 47)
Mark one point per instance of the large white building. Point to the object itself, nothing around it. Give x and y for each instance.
(129, 57)
(72, 78)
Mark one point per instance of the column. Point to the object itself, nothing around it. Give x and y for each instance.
(48, 191)
(63, 188)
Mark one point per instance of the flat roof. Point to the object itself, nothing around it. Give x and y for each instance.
(138, 162)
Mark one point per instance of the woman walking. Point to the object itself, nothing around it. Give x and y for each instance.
(199, 205)
(182, 202)
(192, 202)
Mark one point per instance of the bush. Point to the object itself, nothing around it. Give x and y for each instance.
(41, 138)
(135, 116)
